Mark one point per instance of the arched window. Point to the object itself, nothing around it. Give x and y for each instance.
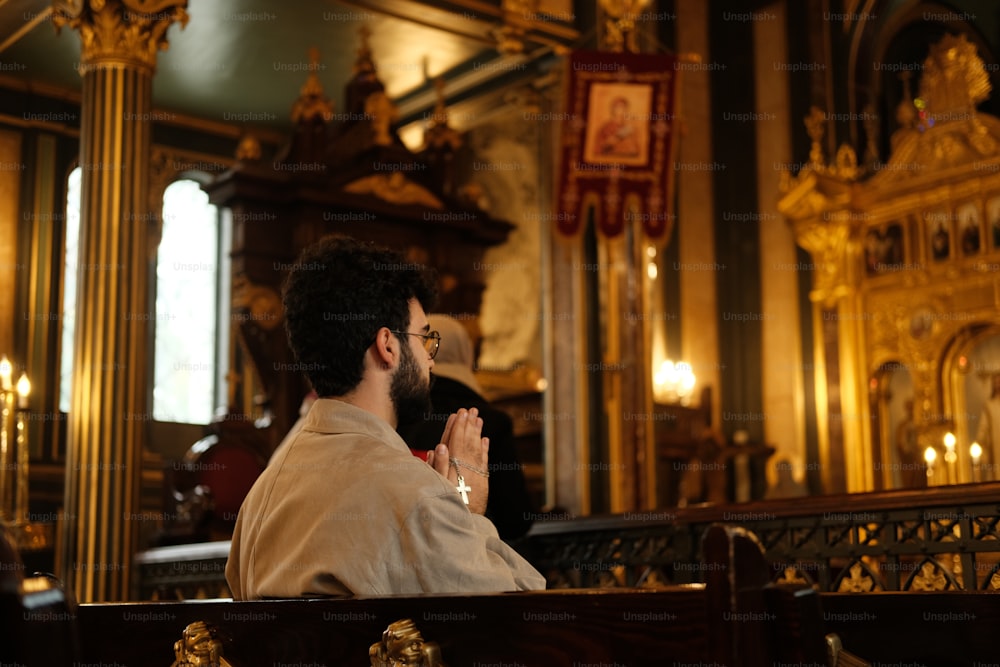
(69, 287)
(187, 307)
(189, 334)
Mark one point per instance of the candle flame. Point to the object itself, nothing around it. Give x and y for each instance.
(5, 370)
(949, 441)
(23, 386)
(975, 450)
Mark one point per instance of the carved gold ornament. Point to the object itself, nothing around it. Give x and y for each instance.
(954, 79)
(312, 104)
(859, 581)
(129, 31)
(403, 646)
(792, 576)
(930, 578)
(395, 189)
(620, 24)
(199, 646)
(249, 149)
(383, 113)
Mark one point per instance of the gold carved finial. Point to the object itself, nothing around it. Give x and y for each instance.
(248, 150)
(383, 114)
(199, 646)
(311, 103)
(403, 646)
(954, 81)
(440, 116)
(116, 31)
(364, 63)
(438, 132)
(815, 126)
(906, 112)
(845, 164)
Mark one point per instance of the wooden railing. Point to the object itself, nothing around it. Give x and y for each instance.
(937, 539)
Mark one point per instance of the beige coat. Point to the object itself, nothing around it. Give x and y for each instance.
(344, 508)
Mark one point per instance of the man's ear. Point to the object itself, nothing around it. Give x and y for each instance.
(386, 348)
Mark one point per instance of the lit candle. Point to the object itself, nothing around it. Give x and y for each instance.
(930, 455)
(23, 389)
(21, 490)
(6, 453)
(950, 457)
(5, 372)
(976, 451)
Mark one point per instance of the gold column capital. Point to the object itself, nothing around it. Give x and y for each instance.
(120, 31)
(829, 245)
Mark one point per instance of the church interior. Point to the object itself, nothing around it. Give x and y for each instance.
(722, 261)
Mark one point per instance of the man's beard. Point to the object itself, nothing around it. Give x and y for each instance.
(409, 392)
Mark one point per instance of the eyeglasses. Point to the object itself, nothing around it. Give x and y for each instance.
(432, 340)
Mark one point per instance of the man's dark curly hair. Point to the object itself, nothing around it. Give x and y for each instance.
(339, 293)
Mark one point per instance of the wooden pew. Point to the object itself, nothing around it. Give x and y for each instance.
(933, 629)
(37, 626)
(735, 618)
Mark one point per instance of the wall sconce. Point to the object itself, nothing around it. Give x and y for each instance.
(673, 382)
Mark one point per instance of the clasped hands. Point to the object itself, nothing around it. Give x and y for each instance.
(462, 440)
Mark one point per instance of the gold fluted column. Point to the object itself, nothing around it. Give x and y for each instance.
(119, 42)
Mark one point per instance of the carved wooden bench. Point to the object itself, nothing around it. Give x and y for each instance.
(735, 618)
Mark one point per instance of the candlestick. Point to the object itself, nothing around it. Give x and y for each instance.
(21, 445)
(976, 451)
(23, 389)
(21, 499)
(6, 463)
(950, 457)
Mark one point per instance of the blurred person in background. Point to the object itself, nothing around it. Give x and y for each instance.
(455, 387)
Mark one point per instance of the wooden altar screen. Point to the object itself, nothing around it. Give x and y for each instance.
(343, 173)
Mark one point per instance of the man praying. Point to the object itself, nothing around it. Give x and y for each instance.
(343, 507)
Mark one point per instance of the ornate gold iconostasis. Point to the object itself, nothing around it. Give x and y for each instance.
(905, 290)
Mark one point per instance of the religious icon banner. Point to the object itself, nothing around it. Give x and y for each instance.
(617, 143)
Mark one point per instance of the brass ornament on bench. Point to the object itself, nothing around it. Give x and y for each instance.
(199, 646)
(403, 645)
